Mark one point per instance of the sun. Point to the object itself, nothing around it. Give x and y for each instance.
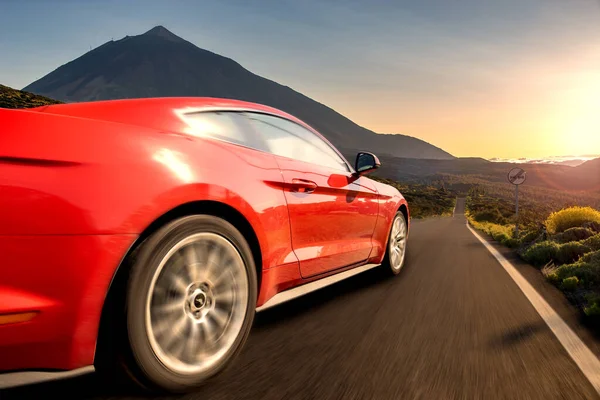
(579, 127)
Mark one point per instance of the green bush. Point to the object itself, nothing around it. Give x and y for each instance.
(592, 258)
(512, 242)
(500, 233)
(553, 277)
(493, 216)
(541, 253)
(573, 235)
(587, 269)
(570, 252)
(595, 226)
(564, 219)
(530, 236)
(592, 310)
(593, 242)
(584, 271)
(569, 284)
(500, 236)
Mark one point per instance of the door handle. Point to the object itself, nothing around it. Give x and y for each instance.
(303, 185)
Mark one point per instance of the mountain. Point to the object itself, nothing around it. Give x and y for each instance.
(13, 98)
(159, 63)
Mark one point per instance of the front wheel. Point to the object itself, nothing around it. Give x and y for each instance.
(191, 300)
(396, 248)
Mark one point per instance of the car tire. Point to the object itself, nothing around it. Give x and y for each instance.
(189, 305)
(395, 255)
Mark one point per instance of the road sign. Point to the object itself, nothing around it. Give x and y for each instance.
(516, 176)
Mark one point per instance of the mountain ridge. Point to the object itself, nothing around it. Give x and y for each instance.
(159, 63)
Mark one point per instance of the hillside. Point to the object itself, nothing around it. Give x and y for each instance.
(13, 98)
(159, 63)
(469, 171)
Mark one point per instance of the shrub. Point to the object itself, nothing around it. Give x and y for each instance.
(573, 235)
(541, 253)
(501, 233)
(569, 284)
(592, 258)
(570, 252)
(586, 269)
(592, 307)
(492, 215)
(562, 220)
(512, 242)
(593, 242)
(530, 236)
(595, 226)
(592, 310)
(582, 271)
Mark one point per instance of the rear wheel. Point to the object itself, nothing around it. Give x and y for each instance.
(190, 303)
(396, 248)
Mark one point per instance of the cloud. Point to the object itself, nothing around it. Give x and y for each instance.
(554, 160)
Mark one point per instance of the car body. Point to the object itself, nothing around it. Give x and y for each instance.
(83, 185)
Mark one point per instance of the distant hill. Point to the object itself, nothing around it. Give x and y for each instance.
(588, 173)
(13, 98)
(592, 166)
(159, 63)
(585, 177)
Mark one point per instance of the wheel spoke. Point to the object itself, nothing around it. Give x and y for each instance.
(173, 332)
(220, 317)
(214, 256)
(191, 262)
(178, 283)
(192, 341)
(224, 297)
(222, 279)
(169, 307)
(163, 325)
(209, 330)
(180, 344)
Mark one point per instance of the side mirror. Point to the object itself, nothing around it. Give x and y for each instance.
(366, 163)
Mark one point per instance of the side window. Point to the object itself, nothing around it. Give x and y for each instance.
(288, 139)
(222, 125)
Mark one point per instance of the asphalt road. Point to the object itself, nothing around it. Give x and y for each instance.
(453, 325)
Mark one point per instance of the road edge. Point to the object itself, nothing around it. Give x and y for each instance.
(584, 358)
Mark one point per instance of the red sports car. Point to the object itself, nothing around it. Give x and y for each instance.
(141, 236)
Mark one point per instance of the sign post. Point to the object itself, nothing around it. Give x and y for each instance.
(516, 176)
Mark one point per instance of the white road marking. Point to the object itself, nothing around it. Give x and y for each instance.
(587, 361)
(312, 286)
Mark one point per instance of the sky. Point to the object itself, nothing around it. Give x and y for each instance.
(495, 79)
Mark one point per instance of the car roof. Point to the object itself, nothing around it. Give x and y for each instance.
(115, 109)
(161, 113)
